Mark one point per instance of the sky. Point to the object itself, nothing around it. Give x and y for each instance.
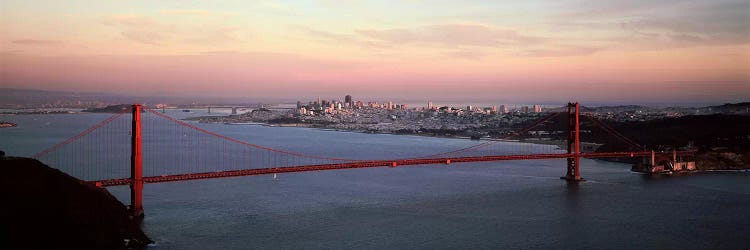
(494, 51)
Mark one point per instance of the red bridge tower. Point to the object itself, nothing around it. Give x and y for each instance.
(574, 144)
(136, 165)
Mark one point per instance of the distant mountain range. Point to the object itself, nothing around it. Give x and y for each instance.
(31, 98)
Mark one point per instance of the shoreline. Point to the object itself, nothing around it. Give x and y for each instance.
(559, 143)
(311, 126)
(697, 171)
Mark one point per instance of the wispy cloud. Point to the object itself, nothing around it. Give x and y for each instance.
(451, 35)
(559, 51)
(140, 28)
(662, 24)
(152, 31)
(192, 12)
(353, 39)
(37, 42)
(466, 54)
(143, 36)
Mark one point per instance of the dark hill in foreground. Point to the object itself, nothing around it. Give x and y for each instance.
(44, 208)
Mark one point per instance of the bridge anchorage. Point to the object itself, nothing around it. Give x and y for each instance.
(176, 150)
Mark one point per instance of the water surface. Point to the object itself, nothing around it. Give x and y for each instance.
(516, 204)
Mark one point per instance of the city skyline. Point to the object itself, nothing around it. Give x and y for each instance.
(613, 52)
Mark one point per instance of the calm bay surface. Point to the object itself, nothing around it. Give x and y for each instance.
(516, 204)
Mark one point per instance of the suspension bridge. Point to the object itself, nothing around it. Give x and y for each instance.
(151, 147)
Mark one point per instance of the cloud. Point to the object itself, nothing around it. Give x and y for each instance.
(363, 43)
(141, 29)
(37, 42)
(143, 36)
(559, 52)
(148, 30)
(131, 21)
(326, 35)
(213, 35)
(663, 24)
(466, 54)
(191, 12)
(451, 35)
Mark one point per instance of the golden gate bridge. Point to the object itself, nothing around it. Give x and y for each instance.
(165, 149)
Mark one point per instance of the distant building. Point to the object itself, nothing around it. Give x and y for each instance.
(503, 109)
(525, 109)
(348, 101)
(429, 105)
(537, 109)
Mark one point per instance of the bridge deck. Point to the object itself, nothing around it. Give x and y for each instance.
(367, 164)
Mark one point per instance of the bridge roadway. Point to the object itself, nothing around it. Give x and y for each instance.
(370, 164)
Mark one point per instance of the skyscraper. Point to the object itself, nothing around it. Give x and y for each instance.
(429, 104)
(348, 101)
(503, 109)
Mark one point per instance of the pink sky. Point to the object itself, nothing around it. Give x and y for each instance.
(540, 51)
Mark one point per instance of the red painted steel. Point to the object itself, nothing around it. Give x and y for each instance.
(615, 133)
(508, 137)
(136, 165)
(574, 143)
(242, 142)
(287, 159)
(370, 164)
(79, 135)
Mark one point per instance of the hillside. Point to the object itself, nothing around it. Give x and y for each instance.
(44, 208)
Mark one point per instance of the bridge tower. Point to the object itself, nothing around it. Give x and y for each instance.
(136, 165)
(574, 143)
